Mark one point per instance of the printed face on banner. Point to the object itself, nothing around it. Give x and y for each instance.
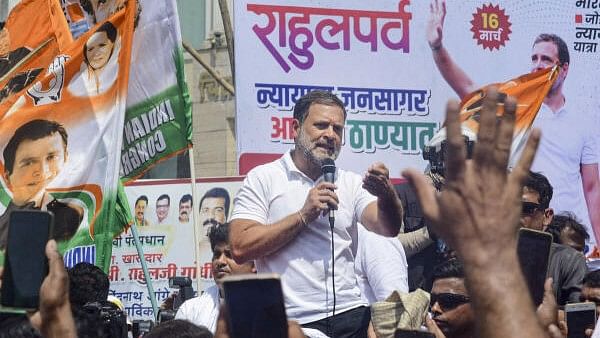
(98, 50)
(212, 211)
(140, 211)
(545, 54)
(162, 208)
(185, 208)
(34, 164)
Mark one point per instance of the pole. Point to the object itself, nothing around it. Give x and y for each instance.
(208, 68)
(195, 218)
(140, 252)
(226, 18)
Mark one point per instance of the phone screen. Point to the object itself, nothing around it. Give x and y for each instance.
(534, 253)
(25, 264)
(255, 308)
(579, 321)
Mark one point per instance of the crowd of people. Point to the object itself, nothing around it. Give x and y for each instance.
(381, 234)
(344, 246)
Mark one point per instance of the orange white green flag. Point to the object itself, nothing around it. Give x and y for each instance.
(529, 90)
(158, 119)
(33, 34)
(61, 140)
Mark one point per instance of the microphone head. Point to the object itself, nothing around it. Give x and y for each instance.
(328, 166)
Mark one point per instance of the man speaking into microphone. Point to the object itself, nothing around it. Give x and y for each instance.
(280, 220)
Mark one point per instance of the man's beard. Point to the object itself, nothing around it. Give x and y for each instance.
(307, 148)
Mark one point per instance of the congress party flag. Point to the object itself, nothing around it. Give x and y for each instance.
(33, 34)
(61, 138)
(529, 90)
(158, 120)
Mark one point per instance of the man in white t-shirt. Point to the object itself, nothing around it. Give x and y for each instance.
(280, 220)
(204, 309)
(380, 266)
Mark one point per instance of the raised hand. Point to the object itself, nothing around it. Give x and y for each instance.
(478, 211)
(377, 181)
(435, 24)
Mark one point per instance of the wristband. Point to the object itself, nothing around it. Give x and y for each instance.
(302, 219)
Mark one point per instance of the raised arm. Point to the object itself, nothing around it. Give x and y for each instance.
(478, 213)
(251, 239)
(385, 215)
(452, 73)
(591, 191)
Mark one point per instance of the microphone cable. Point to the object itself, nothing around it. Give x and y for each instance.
(332, 326)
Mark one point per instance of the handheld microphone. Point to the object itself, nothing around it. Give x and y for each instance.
(328, 170)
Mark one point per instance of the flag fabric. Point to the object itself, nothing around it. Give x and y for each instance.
(61, 139)
(33, 34)
(529, 90)
(158, 121)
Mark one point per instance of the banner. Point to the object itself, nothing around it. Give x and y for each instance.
(164, 207)
(378, 58)
(60, 140)
(158, 120)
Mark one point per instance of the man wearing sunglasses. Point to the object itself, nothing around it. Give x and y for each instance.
(566, 266)
(450, 303)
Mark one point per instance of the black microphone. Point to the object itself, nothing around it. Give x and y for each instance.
(328, 170)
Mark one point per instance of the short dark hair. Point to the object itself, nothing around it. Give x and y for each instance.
(592, 279)
(178, 328)
(566, 220)
(540, 184)
(316, 97)
(111, 34)
(164, 197)
(17, 325)
(217, 193)
(452, 268)
(186, 198)
(87, 283)
(32, 130)
(218, 234)
(141, 198)
(563, 50)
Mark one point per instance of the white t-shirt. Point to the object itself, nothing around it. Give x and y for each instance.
(202, 310)
(380, 266)
(275, 190)
(568, 141)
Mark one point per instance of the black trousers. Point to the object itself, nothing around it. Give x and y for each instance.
(350, 324)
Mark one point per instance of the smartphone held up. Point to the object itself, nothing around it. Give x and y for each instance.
(25, 262)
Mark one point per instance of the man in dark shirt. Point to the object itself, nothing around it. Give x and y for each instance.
(566, 266)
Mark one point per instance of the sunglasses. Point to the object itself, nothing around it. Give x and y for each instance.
(530, 207)
(448, 301)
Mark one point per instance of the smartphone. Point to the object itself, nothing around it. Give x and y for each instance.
(580, 317)
(533, 249)
(255, 306)
(25, 261)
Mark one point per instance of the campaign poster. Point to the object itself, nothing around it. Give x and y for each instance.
(163, 212)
